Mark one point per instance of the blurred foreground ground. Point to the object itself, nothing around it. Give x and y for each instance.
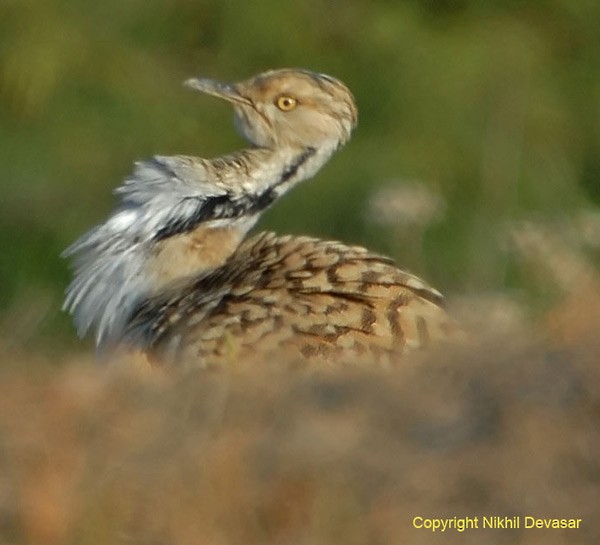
(281, 454)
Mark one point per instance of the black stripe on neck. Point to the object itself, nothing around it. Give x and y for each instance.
(291, 170)
(232, 206)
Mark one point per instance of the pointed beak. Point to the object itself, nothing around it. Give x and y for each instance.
(217, 89)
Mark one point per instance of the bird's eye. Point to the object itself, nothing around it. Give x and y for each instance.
(285, 103)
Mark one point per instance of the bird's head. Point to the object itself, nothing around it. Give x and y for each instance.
(289, 107)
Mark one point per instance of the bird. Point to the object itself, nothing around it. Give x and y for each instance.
(171, 273)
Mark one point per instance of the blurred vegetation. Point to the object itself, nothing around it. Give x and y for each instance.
(273, 455)
(493, 107)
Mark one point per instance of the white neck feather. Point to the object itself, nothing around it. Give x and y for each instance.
(115, 263)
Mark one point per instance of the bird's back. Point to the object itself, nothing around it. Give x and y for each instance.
(296, 297)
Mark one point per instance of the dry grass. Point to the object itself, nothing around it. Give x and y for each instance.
(287, 455)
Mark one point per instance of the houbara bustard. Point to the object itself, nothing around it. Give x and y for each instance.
(170, 274)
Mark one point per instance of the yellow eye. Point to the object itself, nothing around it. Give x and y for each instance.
(285, 103)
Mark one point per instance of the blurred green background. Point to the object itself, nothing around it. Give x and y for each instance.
(473, 113)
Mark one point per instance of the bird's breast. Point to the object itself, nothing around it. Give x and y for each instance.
(190, 254)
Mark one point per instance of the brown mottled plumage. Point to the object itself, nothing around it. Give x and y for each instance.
(298, 297)
(169, 275)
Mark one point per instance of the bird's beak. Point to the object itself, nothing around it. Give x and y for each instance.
(217, 89)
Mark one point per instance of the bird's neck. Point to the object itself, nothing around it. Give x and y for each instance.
(271, 170)
(257, 177)
(180, 219)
